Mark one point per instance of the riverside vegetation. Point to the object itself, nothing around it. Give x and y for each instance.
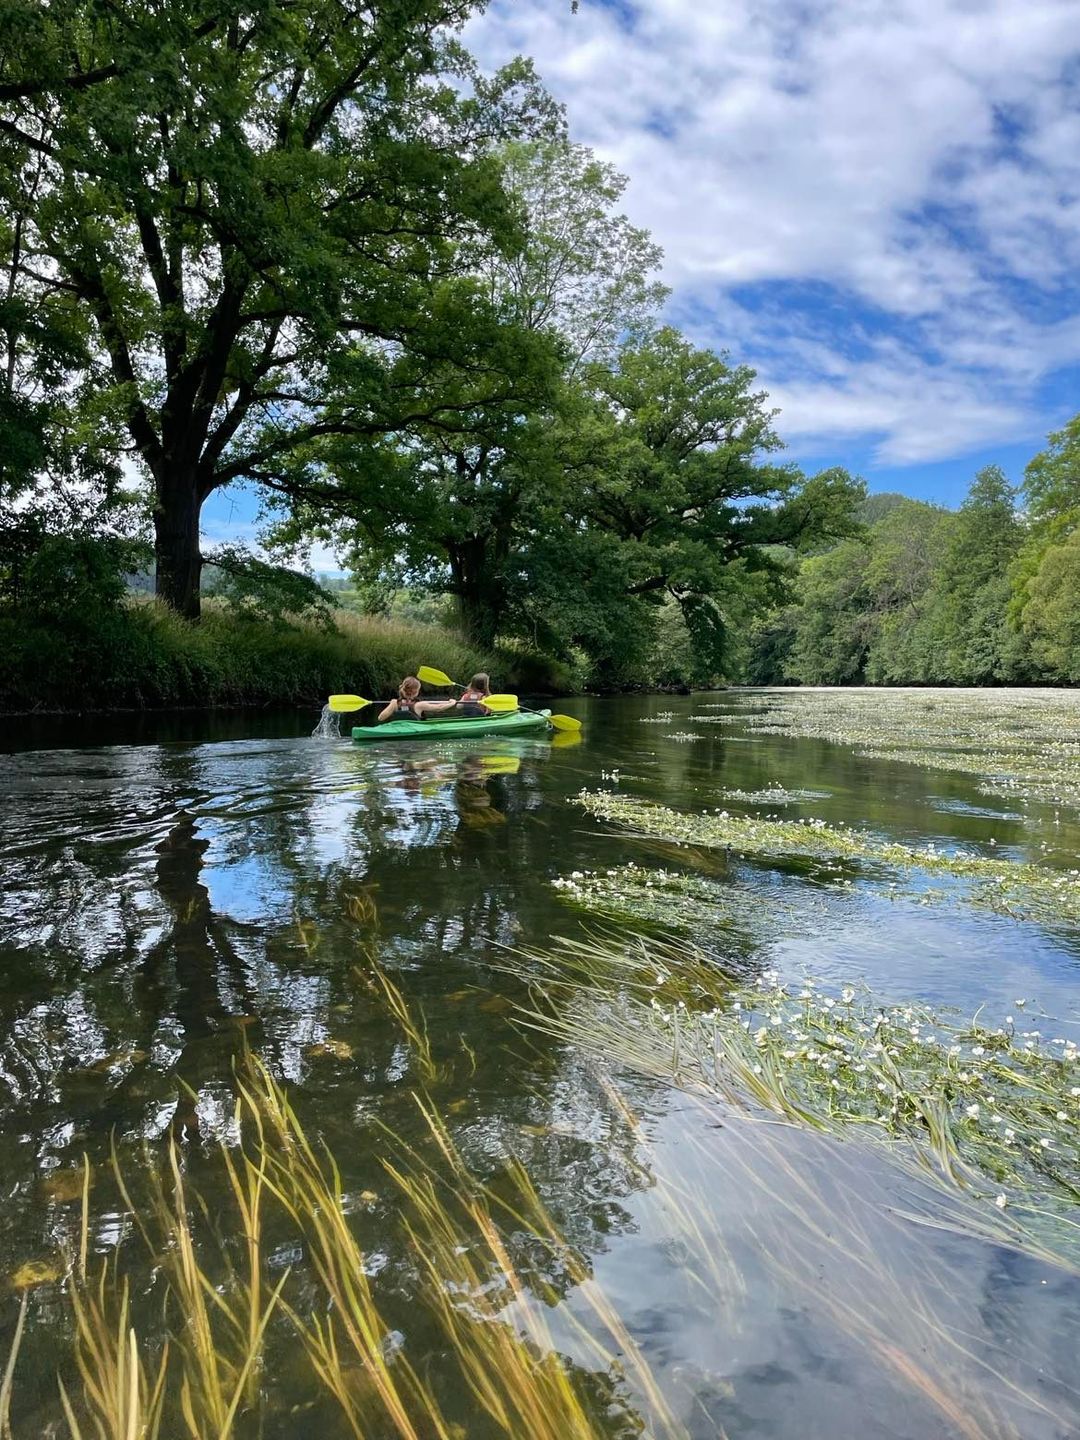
(985, 595)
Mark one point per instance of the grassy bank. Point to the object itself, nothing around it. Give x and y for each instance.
(141, 655)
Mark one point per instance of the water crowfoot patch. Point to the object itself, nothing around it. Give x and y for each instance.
(1023, 890)
(1011, 739)
(994, 1111)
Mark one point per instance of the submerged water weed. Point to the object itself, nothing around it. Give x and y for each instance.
(995, 1110)
(827, 1234)
(1011, 739)
(1019, 889)
(478, 1311)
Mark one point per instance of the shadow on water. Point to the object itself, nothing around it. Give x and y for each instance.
(208, 885)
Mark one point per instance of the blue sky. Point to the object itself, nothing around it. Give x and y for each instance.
(875, 203)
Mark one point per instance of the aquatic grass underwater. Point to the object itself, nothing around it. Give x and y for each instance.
(206, 1377)
(992, 1110)
(505, 1330)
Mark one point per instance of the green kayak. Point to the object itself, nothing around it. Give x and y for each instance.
(518, 722)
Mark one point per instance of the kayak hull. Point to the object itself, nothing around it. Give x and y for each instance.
(519, 722)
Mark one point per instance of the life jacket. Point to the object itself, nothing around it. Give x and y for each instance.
(471, 697)
(406, 708)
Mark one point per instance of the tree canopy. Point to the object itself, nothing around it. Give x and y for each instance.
(260, 216)
(311, 247)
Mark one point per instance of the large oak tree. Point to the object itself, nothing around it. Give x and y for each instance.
(270, 214)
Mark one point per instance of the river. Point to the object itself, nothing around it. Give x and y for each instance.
(179, 890)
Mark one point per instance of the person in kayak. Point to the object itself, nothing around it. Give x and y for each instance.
(471, 700)
(409, 706)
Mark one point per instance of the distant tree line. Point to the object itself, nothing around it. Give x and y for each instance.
(988, 594)
(308, 245)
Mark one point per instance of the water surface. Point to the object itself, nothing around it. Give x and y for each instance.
(217, 884)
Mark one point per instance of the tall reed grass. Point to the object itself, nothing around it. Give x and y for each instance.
(141, 654)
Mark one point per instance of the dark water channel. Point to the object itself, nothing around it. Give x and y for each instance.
(173, 894)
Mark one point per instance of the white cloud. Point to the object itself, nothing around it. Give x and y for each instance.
(916, 160)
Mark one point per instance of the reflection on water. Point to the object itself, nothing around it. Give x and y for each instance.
(167, 906)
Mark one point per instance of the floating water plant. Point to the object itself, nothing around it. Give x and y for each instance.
(1016, 888)
(1010, 739)
(774, 794)
(993, 1109)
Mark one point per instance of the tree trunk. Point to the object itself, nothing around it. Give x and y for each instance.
(479, 618)
(480, 601)
(177, 561)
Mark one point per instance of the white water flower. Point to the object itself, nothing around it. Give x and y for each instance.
(972, 1111)
(1001, 1201)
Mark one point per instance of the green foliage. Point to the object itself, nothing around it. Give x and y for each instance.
(265, 224)
(254, 586)
(924, 596)
(1051, 614)
(1052, 482)
(832, 636)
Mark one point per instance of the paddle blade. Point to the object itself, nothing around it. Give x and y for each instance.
(433, 677)
(342, 704)
(564, 722)
(501, 703)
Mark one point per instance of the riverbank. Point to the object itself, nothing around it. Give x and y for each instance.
(142, 656)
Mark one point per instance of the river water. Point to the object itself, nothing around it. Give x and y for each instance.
(176, 893)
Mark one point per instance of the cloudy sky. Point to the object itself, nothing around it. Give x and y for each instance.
(874, 202)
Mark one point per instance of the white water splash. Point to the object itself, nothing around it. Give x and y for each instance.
(328, 727)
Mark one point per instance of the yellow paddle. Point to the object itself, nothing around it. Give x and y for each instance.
(431, 676)
(342, 704)
(500, 703)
